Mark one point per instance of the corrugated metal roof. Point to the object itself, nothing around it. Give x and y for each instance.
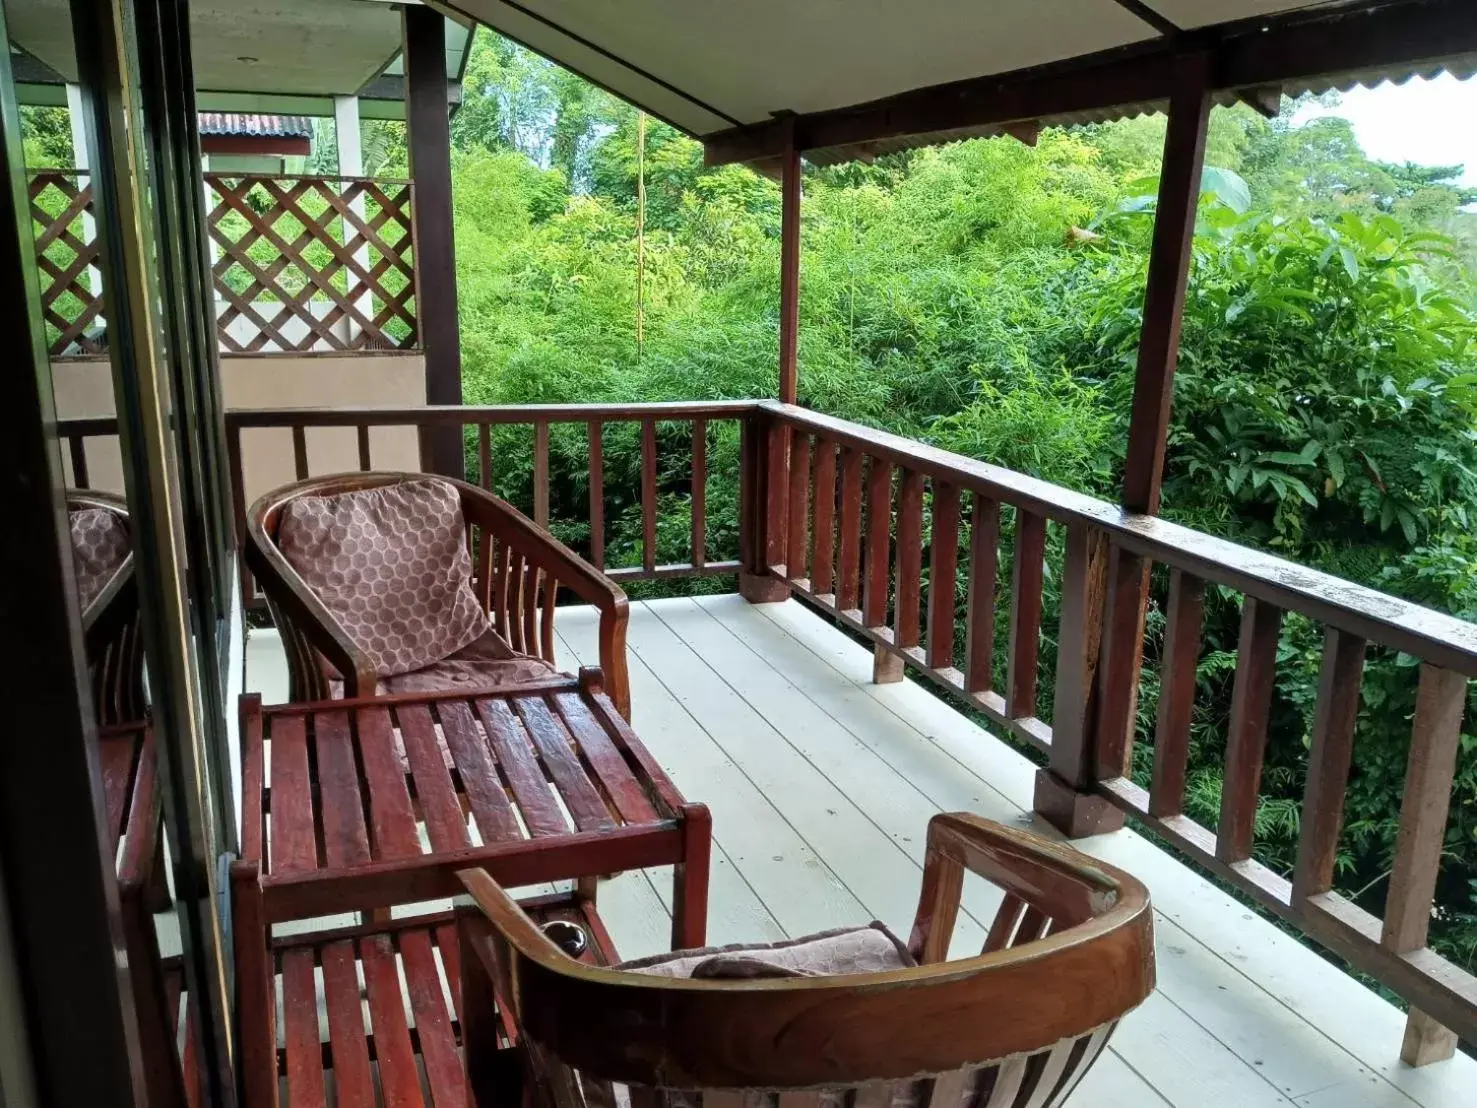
(261, 126)
(1462, 68)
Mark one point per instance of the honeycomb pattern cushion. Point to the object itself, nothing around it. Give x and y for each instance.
(390, 564)
(100, 547)
(870, 949)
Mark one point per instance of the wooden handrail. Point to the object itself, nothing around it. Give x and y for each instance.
(439, 414)
(1435, 636)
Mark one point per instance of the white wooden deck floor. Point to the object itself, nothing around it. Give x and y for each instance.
(821, 785)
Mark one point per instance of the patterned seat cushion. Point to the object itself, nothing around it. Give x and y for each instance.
(100, 547)
(390, 564)
(870, 949)
(486, 662)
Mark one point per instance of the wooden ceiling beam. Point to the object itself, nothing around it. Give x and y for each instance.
(1254, 54)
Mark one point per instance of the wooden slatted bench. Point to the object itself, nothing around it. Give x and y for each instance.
(360, 805)
(372, 1013)
(131, 800)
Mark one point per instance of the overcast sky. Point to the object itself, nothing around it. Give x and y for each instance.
(1427, 122)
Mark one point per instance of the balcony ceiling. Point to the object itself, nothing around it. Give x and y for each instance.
(303, 48)
(708, 65)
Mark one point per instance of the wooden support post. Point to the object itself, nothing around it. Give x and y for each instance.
(789, 269)
(1169, 276)
(1064, 790)
(429, 128)
(759, 483)
(1164, 301)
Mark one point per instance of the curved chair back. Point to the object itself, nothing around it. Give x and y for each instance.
(110, 627)
(1069, 953)
(517, 569)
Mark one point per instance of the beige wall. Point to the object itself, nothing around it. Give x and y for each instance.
(85, 388)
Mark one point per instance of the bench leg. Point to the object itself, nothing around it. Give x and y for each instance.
(690, 879)
(587, 888)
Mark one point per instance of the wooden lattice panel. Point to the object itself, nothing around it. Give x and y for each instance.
(287, 250)
(61, 202)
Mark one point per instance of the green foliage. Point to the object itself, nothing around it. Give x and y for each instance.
(987, 297)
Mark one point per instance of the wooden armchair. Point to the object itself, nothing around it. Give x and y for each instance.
(1070, 952)
(110, 626)
(518, 569)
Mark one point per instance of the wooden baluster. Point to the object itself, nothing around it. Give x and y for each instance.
(300, 451)
(362, 435)
(1121, 661)
(909, 559)
(942, 575)
(541, 473)
(886, 666)
(849, 553)
(984, 558)
(1329, 757)
(77, 449)
(1176, 693)
(796, 563)
(648, 494)
(1025, 614)
(823, 519)
(1251, 702)
(699, 493)
(1430, 768)
(484, 456)
(597, 495)
(879, 535)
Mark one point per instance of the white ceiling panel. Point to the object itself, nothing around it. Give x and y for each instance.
(1187, 14)
(710, 63)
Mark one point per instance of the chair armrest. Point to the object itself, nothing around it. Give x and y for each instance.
(1052, 879)
(540, 548)
(299, 605)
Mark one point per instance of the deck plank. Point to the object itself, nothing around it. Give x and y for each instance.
(896, 806)
(876, 871)
(791, 882)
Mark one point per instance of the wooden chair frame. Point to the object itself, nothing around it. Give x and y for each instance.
(110, 629)
(516, 576)
(1024, 994)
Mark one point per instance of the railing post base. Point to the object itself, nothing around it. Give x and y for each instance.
(1426, 1041)
(1076, 815)
(762, 589)
(887, 667)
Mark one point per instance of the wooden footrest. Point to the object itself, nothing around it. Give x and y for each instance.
(373, 1013)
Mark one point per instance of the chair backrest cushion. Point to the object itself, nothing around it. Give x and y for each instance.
(870, 949)
(391, 565)
(100, 546)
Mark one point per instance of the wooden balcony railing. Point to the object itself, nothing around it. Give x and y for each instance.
(300, 264)
(845, 527)
(939, 561)
(672, 438)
